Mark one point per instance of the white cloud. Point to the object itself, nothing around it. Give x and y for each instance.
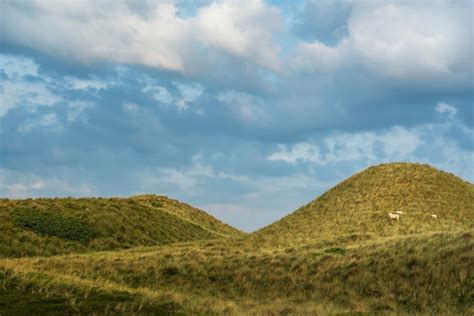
(17, 90)
(17, 185)
(347, 147)
(91, 31)
(398, 144)
(189, 93)
(317, 57)
(83, 84)
(403, 40)
(159, 93)
(49, 121)
(270, 197)
(16, 93)
(244, 29)
(186, 179)
(446, 108)
(430, 143)
(16, 67)
(24, 86)
(302, 152)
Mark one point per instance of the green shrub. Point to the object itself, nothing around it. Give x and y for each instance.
(52, 224)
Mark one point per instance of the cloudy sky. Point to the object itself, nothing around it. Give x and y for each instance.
(247, 109)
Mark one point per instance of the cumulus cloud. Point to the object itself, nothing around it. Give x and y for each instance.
(85, 84)
(189, 93)
(17, 67)
(23, 85)
(431, 143)
(15, 93)
(397, 143)
(183, 96)
(218, 109)
(245, 30)
(117, 31)
(159, 93)
(264, 198)
(17, 87)
(48, 121)
(185, 179)
(17, 185)
(400, 142)
(303, 152)
(445, 108)
(400, 40)
(317, 56)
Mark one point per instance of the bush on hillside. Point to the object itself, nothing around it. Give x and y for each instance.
(51, 224)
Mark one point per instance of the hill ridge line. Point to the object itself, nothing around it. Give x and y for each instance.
(184, 219)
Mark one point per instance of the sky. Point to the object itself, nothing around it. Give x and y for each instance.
(246, 109)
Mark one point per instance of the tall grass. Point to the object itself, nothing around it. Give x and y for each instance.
(43, 227)
(426, 273)
(358, 207)
(338, 254)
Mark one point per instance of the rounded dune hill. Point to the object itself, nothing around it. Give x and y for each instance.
(52, 226)
(358, 207)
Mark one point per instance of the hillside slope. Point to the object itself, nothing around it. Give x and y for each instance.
(419, 274)
(338, 254)
(358, 207)
(45, 227)
(187, 212)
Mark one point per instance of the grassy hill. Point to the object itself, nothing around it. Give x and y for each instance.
(426, 273)
(46, 227)
(358, 207)
(339, 254)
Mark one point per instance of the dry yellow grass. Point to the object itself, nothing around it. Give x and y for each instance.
(119, 223)
(338, 254)
(429, 273)
(358, 207)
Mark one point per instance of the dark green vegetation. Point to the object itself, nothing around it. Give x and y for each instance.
(53, 224)
(44, 227)
(339, 254)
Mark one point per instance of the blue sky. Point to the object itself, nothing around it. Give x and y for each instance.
(247, 109)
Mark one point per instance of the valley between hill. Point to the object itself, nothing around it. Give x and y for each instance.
(338, 254)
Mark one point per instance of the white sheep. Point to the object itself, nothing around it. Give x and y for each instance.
(394, 216)
(399, 212)
(434, 216)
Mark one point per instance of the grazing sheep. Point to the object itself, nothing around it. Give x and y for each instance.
(434, 216)
(399, 212)
(394, 216)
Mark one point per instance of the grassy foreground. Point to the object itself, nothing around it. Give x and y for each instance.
(337, 255)
(427, 273)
